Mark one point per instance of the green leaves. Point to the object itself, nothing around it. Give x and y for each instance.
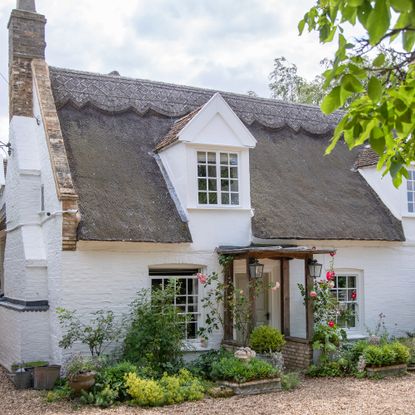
(401, 5)
(331, 101)
(378, 21)
(374, 89)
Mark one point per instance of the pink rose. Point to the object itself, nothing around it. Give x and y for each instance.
(331, 324)
(330, 275)
(202, 278)
(276, 286)
(313, 294)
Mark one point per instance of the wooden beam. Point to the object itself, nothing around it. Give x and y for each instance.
(229, 292)
(285, 296)
(252, 296)
(309, 305)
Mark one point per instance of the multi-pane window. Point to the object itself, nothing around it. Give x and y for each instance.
(186, 298)
(346, 291)
(217, 178)
(410, 192)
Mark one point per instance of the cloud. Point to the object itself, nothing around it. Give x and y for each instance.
(219, 44)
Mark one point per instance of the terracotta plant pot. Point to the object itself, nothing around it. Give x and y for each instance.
(82, 382)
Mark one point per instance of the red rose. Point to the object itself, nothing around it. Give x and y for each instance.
(331, 324)
(354, 295)
(330, 275)
(333, 253)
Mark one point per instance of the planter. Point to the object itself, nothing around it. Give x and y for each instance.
(276, 359)
(82, 382)
(411, 368)
(46, 377)
(254, 387)
(21, 380)
(386, 371)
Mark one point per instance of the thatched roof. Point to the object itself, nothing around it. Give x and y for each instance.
(111, 126)
(366, 157)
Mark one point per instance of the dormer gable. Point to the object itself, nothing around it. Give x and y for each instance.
(215, 123)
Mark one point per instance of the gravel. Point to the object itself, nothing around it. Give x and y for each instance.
(314, 396)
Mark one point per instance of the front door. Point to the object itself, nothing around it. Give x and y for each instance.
(262, 312)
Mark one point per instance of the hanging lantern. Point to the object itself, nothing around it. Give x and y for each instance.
(314, 268)
(256, 269)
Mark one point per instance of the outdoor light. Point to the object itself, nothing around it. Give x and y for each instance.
(314, 268)
(256, 269)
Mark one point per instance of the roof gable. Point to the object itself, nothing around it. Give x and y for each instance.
(216, 123)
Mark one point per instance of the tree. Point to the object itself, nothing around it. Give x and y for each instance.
(287, 85)
(375, 72)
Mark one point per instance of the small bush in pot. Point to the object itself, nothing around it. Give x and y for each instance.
(80, 372)
(266, 339)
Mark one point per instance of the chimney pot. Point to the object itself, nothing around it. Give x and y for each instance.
(28, 5)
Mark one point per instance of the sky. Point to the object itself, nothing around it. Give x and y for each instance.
(227, 45)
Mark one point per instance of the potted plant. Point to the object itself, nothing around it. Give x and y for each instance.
(268, 342)
(80, 372)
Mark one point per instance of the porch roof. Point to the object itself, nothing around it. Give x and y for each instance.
(272, 251)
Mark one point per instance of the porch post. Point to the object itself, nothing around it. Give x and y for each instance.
(227, 315)
(308, 302)
(252, 296)
(285, 296)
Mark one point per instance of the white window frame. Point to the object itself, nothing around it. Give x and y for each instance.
(198, 314)
(357, 330)
(218, 179)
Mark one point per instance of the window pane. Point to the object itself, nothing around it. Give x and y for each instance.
(410, 196)
(211, 158)
(342, 295)
(202, 198)
(341, 282)
(224, 185)
(410, 207)
(234, 199)
(234, 172)
(211, 171)
(201, 171)
(352, 282)
(156, 283)
(212, 184)
(191, 330)
(201, 157)
(234, 185)
(224, 158)
(225, 198)
(351, 295)
(224, 172)
(213, 198)
(202, 184)
(233, 159)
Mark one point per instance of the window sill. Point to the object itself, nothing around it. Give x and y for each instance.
(356, 336)
(239, 208)
(195, 346)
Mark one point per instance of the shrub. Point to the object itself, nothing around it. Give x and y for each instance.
(202, 366)
(290, 381)
(156, 331)
(410, 343)
(145, 392)
(357, 350)
(233, 369)
(386, 355)
(266, 339)
(59, 393)
(328, 369)
(98, 333)
(79, 364)
(168, 390)
(111, 378)
(103, 398)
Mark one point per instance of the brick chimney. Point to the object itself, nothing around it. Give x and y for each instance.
(26, 42)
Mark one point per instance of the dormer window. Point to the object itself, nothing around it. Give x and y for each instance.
(410, 192)
(218, 178)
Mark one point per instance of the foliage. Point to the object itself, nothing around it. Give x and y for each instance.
(59, 393)
(380, 333)
(202, 366)
(333, 368)
(166, 391)
(78, 365)
(409, 342)
(266, 339)
(104, 397)
(386, 354)
(156, 335)
(327, 338)
(290, 381)
(236, 370)
(97, 334)
(376, 73)
(238, 304)
(287, 85)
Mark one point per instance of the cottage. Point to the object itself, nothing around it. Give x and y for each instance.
(116, 184)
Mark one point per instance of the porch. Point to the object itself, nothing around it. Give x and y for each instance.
(281, 307)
